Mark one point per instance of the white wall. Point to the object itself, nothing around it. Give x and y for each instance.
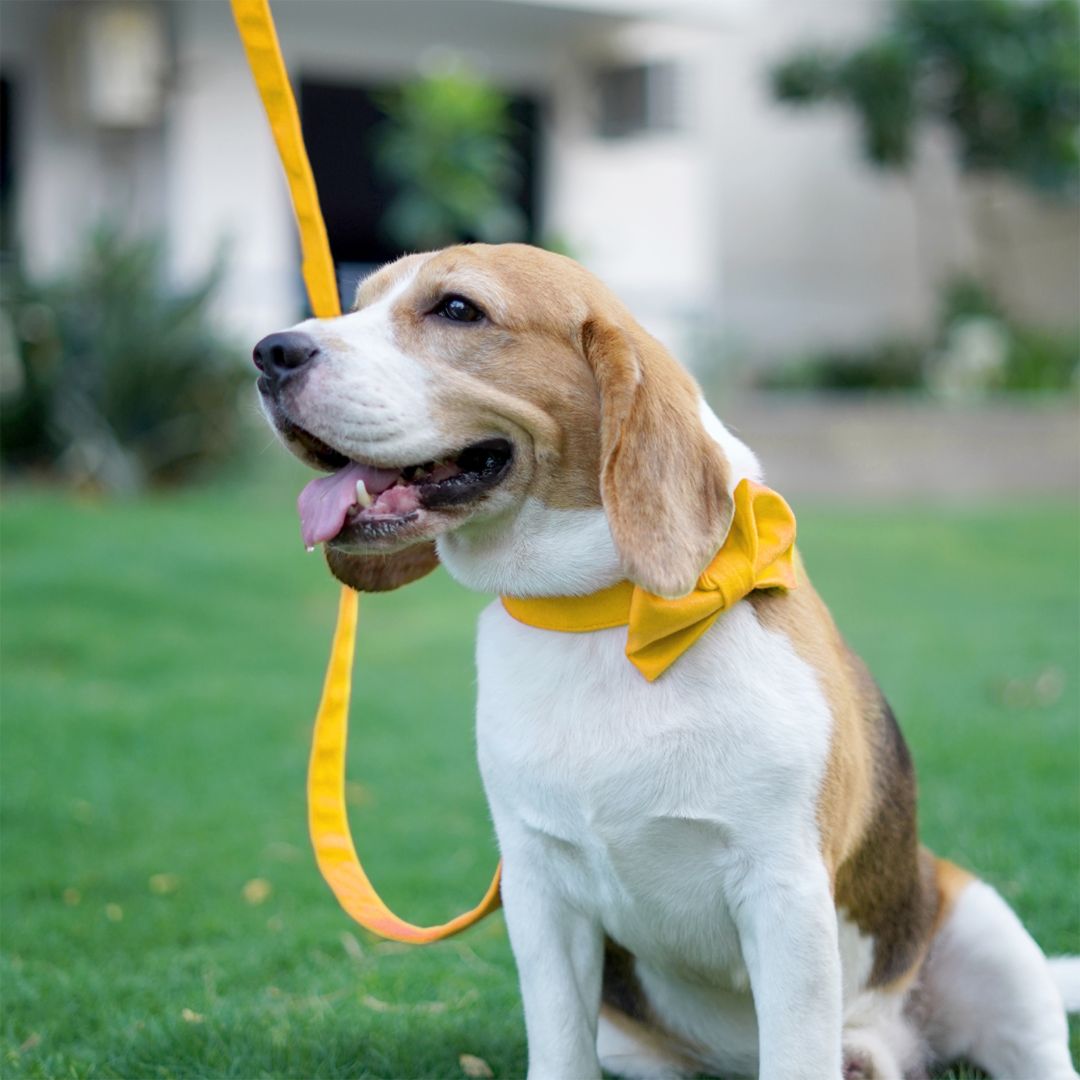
(69, 175)
(821, 249)
(640, 210)
(754, 225)
(816, 247)
(225, 181)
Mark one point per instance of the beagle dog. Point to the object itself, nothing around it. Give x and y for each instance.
(717, 871)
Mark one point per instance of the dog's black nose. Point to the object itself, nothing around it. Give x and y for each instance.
(279, 355)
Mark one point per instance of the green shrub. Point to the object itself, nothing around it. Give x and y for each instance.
(1032, 358)
(113, 379)
(893, 365)
(1039, 360)
(977, 349)
(447, 148)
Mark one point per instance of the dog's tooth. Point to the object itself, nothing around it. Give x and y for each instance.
(363, 496)
(310, 548)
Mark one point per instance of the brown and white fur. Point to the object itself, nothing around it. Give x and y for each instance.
(720, 870)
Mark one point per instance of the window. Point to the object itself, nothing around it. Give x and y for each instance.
(636, 99)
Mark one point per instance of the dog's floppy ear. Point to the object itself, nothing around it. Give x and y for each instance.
(663, 479)
(382, 573)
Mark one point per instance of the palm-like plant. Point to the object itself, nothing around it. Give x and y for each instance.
(114, 378)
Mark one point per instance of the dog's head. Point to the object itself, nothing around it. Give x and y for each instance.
(473, 388)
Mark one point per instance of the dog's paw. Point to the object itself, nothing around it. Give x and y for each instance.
(878, 1063)
(858, 1065)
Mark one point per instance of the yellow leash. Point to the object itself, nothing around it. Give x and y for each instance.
(327, 819)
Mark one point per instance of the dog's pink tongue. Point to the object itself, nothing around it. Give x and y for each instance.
(324, 503)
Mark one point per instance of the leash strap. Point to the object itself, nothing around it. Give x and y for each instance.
(328, 821)
(256, 27)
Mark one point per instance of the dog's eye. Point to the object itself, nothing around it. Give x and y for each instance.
(458, 309)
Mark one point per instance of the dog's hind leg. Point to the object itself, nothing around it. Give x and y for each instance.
(627, 1044)
(631, 1049)
(987, 994)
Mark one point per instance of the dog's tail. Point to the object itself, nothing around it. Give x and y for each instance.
(1065, 971)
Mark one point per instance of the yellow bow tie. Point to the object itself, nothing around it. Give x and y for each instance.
(757, 554)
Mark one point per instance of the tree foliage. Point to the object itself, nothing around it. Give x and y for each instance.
(447, 148)
(1003, 75)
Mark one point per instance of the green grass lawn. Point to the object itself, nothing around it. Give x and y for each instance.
(161, 663)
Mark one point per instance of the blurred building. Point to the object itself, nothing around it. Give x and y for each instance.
(732, 225)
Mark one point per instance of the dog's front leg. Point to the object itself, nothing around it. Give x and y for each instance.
(559, 954)
(788, 935)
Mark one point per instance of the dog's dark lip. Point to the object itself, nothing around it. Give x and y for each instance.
(323, 455)
(441, 485)
(319, 454)
(362, 531)
(392, 503)
(484, 465)
(493, 458)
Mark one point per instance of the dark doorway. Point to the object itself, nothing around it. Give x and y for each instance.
(7, 168)
(340, 122)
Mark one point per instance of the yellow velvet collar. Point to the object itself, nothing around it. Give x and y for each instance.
(757, 554)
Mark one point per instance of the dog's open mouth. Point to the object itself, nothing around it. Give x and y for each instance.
(371, 502)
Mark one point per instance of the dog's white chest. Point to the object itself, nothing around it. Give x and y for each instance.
(643, 802)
